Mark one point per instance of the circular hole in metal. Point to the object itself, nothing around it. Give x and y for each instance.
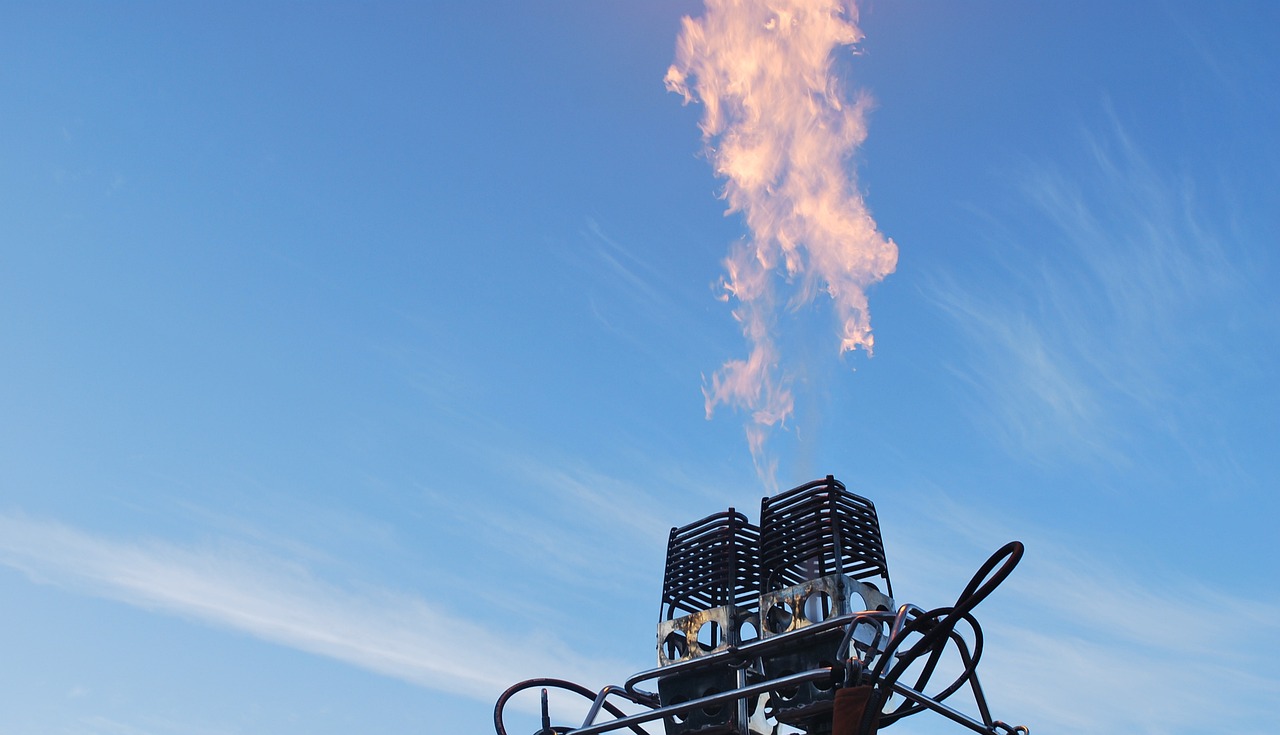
(817, 606)
(747, 631)
(715, 709)
(786, 694)
(779, 617)
(823, 685)
(675, 646)
(709, 635)
(680, 716)
(856, 603)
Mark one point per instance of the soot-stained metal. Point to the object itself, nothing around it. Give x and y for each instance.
(791, 626)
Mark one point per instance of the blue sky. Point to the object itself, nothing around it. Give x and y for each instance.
(354, 355)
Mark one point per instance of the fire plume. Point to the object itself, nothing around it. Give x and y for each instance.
(781, 131)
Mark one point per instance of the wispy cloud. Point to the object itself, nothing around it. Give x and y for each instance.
(1092, 321)
(279, 600)
(630, 296)
(1021, 370)
(99, 725)
(561, 523)
(639, 278)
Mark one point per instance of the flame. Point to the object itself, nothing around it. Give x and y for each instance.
(780, 130)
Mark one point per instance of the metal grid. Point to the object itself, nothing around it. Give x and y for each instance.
(818, 529)
(711, 563)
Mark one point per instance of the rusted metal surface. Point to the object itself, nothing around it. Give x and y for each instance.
(815, 600)
(704, 632)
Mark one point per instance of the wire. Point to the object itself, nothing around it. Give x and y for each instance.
(558, 684)
(937, 627)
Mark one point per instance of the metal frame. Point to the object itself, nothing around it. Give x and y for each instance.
(746, 657)
(801, 579)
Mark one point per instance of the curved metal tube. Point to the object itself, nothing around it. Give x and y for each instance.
(708, 701)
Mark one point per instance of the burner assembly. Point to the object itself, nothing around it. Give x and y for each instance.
(791, 626)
